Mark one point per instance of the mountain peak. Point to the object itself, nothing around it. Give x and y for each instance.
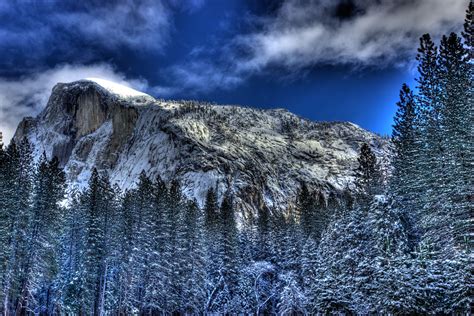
(118, 89)
(261, 156)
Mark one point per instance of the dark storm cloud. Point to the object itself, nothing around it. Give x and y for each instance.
(33, 32)
(346, 9)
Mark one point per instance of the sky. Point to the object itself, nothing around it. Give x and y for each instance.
(326, 60)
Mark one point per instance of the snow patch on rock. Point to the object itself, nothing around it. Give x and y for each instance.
(116, 88)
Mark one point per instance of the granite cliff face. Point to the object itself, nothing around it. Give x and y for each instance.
(261, 155)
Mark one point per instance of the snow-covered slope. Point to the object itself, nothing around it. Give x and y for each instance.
(261, 155)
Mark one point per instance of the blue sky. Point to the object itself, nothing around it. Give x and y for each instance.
(342, 60)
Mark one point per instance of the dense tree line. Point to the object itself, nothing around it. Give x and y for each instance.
(397, 246)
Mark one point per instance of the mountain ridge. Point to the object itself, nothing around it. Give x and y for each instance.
(262, 156)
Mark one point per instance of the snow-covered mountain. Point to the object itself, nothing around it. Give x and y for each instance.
(262, 155)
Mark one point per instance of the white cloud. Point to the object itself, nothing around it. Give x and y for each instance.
(27, 96)
(305, 33)
(381, 32)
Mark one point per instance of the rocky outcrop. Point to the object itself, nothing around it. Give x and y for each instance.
(260, 155)
(90, 112)
(24, 128)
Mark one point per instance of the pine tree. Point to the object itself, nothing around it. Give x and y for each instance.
(16, 205)
(469, 42)
(429, 142)
(140, 213)
(112, 246)
(190, 260)
(368, 179)
(43, 233)
(211, 209)
(289, 254)
(211, 226)
(5, 221)
(468, 33)
(357, 250)
(339, 251)
(292, 298)
(98, 201)
(428, 72)
(313, 213)
(163, 290)
(175, 205)
(263, 234)
(228, 254)
(457, 130)
(309, 264)
(403, 183)
(127, 269)
(70, 285)
(387, 249)
(306, 204)
(403, 136)
(157, 288)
